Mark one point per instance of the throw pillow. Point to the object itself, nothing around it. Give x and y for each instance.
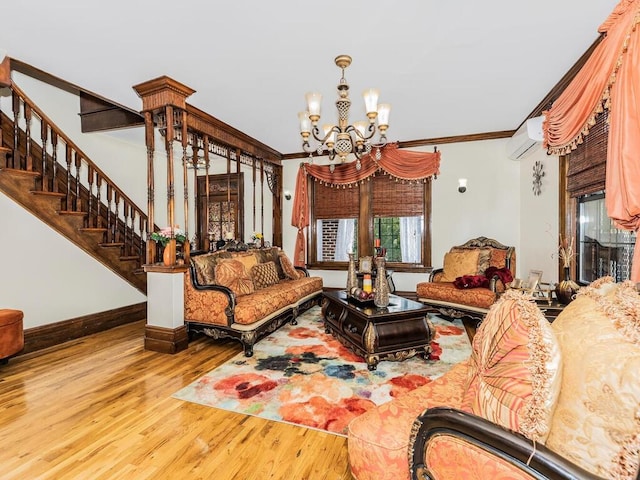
(457, 264)
(231, 273)
(288, 268)
(248, 260)
(264, 275)
(484, 257)
(597, 420)
(515, 369)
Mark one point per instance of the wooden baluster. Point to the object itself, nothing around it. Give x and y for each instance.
(44, 130)
(15, 159)
(90, 174)
(116, 217)
(54, 161)
(143, 235)
(68, 157)
(125, 227)
(78, 200)
(27, 129)
(109, 214)
(208, 230)
(98, 200)
(132, 229)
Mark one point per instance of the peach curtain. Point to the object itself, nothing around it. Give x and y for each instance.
(401, 164)
(609, 79)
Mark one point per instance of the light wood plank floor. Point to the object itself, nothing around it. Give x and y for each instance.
(100, 408)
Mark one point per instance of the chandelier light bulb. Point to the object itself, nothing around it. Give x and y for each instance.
(314, 102)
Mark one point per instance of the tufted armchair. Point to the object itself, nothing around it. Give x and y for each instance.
(460, 289)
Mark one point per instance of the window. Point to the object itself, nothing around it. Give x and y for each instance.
(602, 248)
(394, 212)
(225, 212)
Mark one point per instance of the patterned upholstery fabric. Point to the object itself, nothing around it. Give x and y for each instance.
(204, 306)
(378, 440)
(266, 301)
(271, 255)
(451, 457)
(231, 273)
(484, 257)
(264, 275)
(205, 266)
(462, 262)
(515, 368)
(597, 419)
(288, 268)
(447, 291)
(248, 259)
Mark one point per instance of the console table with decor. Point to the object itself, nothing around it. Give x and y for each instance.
(395, 332)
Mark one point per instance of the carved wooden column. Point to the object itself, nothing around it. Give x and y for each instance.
(165, 332)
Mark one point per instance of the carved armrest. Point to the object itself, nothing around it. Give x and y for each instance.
(487, 440)
(435, 273)
(303, 270)
(225, 297)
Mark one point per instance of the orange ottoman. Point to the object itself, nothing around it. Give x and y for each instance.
(11, 333)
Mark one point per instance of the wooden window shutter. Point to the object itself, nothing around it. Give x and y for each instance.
(336, 202)
(395, 198)
(587, 163)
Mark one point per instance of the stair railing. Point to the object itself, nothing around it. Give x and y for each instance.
(65, 169)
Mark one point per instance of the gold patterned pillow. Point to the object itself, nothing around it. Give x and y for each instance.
(231, 273)
(264, 275)
(205, 268)
(247, 259)
(457, 264)
(288, 268)
(484, 257)
(515, 370)
(597, 419)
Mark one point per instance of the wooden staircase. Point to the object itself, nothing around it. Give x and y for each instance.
(77, 199)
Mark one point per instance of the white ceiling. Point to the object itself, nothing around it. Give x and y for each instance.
(448, 68)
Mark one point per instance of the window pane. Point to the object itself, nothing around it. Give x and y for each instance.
(603, 249)
(336, 239)
(401, 236)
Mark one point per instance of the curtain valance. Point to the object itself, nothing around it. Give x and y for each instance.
(402, 164)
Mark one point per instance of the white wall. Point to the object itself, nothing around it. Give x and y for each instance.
(498, 204)
(539, 219)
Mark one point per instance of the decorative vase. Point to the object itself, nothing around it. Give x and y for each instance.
(352, 278)
(381, 296)
(169, 253)
(566, 289)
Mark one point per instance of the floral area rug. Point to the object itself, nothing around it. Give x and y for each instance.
(302, 375)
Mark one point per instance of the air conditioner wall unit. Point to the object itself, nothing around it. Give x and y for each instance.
(526, 139)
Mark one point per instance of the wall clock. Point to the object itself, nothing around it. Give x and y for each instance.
(538, 173)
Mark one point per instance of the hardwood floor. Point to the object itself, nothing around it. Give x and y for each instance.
(100, 407)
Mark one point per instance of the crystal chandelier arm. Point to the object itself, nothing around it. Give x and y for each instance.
(323, 140)
(368, 132)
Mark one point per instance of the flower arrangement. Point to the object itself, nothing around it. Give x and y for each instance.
(565, 250)
(164, 235)
(256, 236)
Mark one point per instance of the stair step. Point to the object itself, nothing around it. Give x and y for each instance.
(112, 244)
(40, 193)
(19, 173)
(5, 150)
(129, 258)
(93, 229)
(72, 213)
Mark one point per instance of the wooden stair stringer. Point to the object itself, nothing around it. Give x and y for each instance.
(46, 206)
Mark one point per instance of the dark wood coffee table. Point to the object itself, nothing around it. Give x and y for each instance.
(398, 331)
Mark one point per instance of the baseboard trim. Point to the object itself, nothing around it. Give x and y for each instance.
(45, 336)
(165, 340)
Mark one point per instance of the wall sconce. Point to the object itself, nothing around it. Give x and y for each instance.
(287, 194)
(462, 185)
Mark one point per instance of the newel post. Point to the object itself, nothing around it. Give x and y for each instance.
(164, 107)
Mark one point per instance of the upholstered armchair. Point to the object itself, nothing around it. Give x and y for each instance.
(471, 279)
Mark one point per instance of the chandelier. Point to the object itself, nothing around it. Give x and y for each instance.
(344, 139)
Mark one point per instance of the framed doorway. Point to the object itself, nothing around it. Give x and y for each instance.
(221, 213)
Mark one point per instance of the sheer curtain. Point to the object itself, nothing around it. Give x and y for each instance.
(344, 239)
(410, 239)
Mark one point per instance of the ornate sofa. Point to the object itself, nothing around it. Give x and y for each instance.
(245, 295)
(11, 333)
(534, 400)
(460, 288)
